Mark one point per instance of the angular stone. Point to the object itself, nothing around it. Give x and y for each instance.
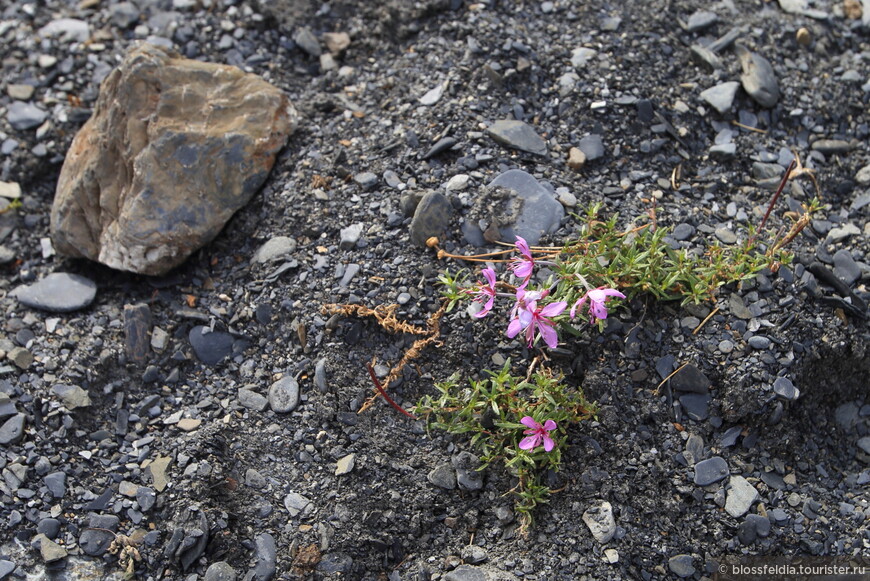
(690, 379)
(681, 566)
(252, 400)
(758, 78)
(711, 470)
(431, 218)
(467, 474)
(157, 470)
(296, 503)
(442, 476)
(721, 96)
(741, 495)
(174, 148)
(137, 325)
(12, 429)
(345, 464)
(98, 536)
(210, 346)
(784, 388)
(59, 292)
(517, 135)
(336, 42)
(592, 146)
(72, 396)
(600, 521)
(48, 549)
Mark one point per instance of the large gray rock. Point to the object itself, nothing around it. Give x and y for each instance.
(174, 148)
(514, 204)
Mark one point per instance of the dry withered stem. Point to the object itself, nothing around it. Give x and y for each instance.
(386, 318)
(385, 315)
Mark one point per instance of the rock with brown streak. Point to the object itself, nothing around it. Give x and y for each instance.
(174, 148)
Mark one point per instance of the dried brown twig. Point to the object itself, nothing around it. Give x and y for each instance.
(386, 318)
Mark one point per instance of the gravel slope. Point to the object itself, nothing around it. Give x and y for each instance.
(229, 485)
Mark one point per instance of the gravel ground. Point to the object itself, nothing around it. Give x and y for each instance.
(183, 459)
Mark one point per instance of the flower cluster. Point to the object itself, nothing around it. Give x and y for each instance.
(527, 316)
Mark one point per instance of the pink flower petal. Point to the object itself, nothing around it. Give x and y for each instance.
(529, 442)
(523, 247)
(514, 328)
(549, 444)
(577, 305)
(489, 275)
(553, 309)
(549, 334)
(549, 425)
(599, 311)
(530, 422)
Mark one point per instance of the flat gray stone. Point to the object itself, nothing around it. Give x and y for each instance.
(48, 549)
(252, 400)
(592, 147)
(465, 573)
(831, 146)
(467, 474)
(22, 116)
(690, 379)
(59, 292)
(366, 180)
(72, 396)
(701, 19)
(723, 151)
(758, 78)
(784, 388)
(710, 471)
(284, 395)
(12, 429)
(540, 212)
(66, 30)
(442, 476)
(681, 566)
(209, 346)
(726, 235)
(740, 496)
(721, 96)
(581, 56)
(56, 484)
(267, 557)
(295, 503)
(845, 267)
(517, 135)
(220, 571)
(275, 249)
(349, 236)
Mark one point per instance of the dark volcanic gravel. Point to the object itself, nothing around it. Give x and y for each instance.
(229, 446)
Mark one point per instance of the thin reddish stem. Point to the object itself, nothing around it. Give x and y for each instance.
(773, 200)
(384, 393)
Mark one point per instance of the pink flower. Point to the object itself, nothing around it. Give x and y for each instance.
(523, 267)
(537, 434)
(597, 297)
(485, 292)
(535, 319)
